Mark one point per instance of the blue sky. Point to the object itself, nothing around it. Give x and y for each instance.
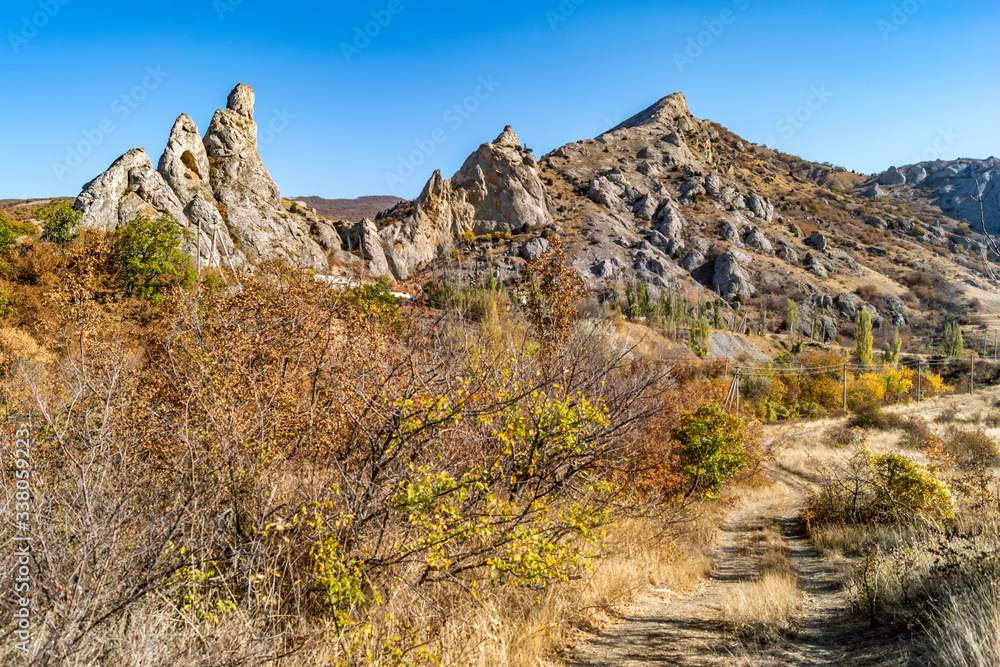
(864, 85)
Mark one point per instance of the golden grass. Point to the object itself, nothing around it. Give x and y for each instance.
(761, 611)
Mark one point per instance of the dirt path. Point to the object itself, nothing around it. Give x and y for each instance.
(687, 630)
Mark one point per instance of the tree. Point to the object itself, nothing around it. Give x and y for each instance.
(712, 446)
(59, 222)
(149, 258)
(717, 321)
(792, 319)
(700, 336)
(893, 347)
(551, 291)
(8, 233)
(762, 320)
(953, 343)
(863, 338)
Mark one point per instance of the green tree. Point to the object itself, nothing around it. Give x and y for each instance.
(953, 343)
(893, 348)
(792, 319)
(712, 446)
(59, 222)
(8, 234)
(700, 336)
(149, 257)
(762, 320)
(863, 339)
(717, 321)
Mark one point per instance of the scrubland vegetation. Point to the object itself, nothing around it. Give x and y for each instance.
(914, 530)
(232, 471)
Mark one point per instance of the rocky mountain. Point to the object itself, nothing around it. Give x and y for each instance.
(352, 210)
(677, 203)
(954, 186)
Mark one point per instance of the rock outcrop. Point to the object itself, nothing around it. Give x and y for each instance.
(217, 185)
(731, 279)
(498, 189)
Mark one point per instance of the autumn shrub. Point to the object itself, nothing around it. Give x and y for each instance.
(299, 462)
(972, 448)
(881, 489)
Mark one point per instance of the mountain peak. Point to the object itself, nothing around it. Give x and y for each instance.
(507, 139)
(672, 109)
(241, 100)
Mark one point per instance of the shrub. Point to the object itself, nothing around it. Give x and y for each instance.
(468, 237)
(845, 436)
(882, 489)
(59, 222)
(712, 446)
(148, 256)
(973, 449)
(11, 231)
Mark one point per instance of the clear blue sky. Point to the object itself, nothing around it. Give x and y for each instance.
(896, 79)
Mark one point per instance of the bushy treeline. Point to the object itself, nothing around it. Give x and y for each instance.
(269, 470)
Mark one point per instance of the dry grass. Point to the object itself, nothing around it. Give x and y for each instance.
(761, 611)
(966, 632)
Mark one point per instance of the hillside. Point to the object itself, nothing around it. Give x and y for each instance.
(352, 210)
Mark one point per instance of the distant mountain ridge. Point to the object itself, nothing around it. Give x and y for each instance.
(351, 210)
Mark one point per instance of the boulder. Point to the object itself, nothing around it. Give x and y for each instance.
(730, 232)
(646, 208)
(760, 206)
(731, 278)
(817, 240)
(877, 222)
(892, 177)
(534, 248)
(896, 310)
(669, 220)
(713, 185)
(756, 239)
(787, 252)
(602, 191)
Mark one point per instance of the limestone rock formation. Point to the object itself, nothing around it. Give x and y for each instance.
(217, 185)
(251, 202)
(731, 279)
(498, 189)
(892, 177)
